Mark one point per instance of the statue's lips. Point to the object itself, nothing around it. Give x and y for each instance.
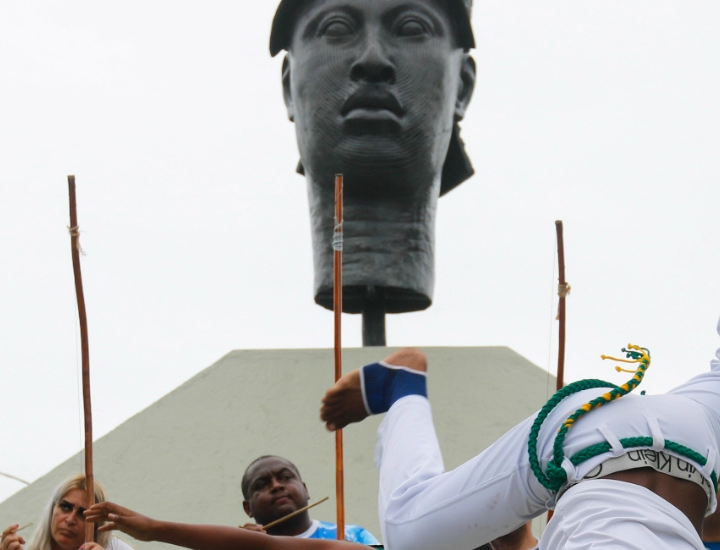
(371, 104)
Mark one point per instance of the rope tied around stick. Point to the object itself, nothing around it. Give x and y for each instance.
(337, 242)
(563, 291)
(75, 234)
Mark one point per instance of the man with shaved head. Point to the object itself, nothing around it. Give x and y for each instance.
(273, 490)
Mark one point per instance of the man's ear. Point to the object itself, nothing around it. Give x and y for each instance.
(246, 507)
(466, 87)
(287, 89)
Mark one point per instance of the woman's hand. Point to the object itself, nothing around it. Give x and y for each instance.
(10, 540)
(91, 546)
(122, 519)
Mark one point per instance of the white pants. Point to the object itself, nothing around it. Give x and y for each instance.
(605, 515)
(421, 507)
(424, 508)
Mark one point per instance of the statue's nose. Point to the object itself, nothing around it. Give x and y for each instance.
(373, 65)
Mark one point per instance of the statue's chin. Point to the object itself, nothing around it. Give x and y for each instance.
(392, 256)
(373, 151)
(395, 300)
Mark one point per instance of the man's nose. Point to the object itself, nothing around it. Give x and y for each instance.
(275, 484)
(373, 65)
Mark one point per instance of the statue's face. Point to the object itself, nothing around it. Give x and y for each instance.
(374, 87)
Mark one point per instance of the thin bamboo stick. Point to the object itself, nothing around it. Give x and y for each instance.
(563, 290)
(15, 478)
(292, 514)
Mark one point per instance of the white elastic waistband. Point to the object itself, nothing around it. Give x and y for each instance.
(659, 461)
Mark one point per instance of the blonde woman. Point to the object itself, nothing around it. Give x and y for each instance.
(62, 524)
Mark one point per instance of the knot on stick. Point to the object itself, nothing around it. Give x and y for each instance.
(75, 234)
(564, 289)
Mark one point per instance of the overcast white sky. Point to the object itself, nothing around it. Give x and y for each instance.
(602, 113)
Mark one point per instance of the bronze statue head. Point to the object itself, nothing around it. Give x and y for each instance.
(376, 89)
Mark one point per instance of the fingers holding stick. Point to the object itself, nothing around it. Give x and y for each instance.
(11, 540)
(120, 519)
(106, 513)
(99, 514)
(10, 530)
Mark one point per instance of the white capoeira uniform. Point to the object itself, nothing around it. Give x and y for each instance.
(422, 507)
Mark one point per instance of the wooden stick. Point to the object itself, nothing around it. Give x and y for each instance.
(562, 292)
(87, 409)
(563, 289)
(292, 514)
(23, 527)
(337, 309)
(15, 478)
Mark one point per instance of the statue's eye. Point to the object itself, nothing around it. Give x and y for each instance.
(336, 28)
(413, 27)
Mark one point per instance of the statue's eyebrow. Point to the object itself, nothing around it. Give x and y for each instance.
(311, 27)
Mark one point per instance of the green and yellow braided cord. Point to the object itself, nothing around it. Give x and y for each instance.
(555, 476)
(636, 354)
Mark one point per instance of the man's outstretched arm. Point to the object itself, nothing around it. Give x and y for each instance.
(201, 537)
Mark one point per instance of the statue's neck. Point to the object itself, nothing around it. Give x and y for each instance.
(388, 241)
